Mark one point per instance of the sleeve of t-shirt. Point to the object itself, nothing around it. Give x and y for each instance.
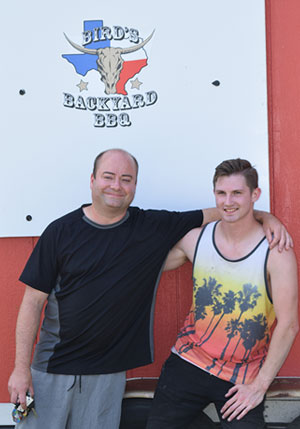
(41, 269)
(183, 222)
(176, 224)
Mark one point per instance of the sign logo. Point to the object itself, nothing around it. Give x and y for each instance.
(118, 54)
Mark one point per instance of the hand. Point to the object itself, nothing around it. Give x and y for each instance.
(280, 235)
(19, 383)
(244, 397)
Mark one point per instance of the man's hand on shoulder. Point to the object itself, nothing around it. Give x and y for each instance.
(274, 230)
(184, 250)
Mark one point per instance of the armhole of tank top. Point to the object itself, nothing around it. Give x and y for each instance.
(267, 286)
(196, 249)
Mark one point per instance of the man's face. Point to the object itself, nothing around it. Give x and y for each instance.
(234, 198)
(115, 182)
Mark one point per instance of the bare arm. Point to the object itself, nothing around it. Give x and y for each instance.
(282, 269)
(176, 258)
(210, 215)
(27, 326)
(183, 250)
(275, 231)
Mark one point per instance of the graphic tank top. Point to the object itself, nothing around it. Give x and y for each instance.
(227, 330)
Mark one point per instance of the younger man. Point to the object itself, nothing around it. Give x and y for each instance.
(224, 353)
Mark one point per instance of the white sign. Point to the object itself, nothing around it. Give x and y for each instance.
(182, 86)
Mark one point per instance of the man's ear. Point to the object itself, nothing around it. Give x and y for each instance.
(256, 194)
(92, 180)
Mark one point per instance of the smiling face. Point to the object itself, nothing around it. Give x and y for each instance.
(234, 199)
(114, 184)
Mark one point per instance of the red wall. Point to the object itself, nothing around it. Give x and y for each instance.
(283, 62)
(174, 295)
(13, 254)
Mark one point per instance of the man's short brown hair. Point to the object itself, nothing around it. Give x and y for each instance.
(237, 166)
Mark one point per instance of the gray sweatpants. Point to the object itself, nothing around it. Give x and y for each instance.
(76, 402)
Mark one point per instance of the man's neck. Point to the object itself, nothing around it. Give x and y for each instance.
(237, 239)
(104, 217)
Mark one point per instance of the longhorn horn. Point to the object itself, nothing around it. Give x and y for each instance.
(135, 48)
(81, 48)
(95, 51)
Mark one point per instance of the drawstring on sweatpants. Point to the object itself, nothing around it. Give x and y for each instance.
(74, 382)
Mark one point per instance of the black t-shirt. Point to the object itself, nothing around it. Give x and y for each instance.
(101, 281)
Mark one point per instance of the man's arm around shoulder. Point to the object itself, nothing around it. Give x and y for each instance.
(210, 215)
(27, 326)
(275, 231)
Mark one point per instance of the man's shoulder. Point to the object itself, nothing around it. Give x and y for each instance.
(166, 218)
(163, 212)
(282, 274)
(148, 216)
(280, 259)
(61, 222)
(74, 214)
(139, 210)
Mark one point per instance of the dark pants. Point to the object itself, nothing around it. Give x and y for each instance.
(184, 390)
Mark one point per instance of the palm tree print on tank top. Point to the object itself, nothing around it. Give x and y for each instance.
(227, 330)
